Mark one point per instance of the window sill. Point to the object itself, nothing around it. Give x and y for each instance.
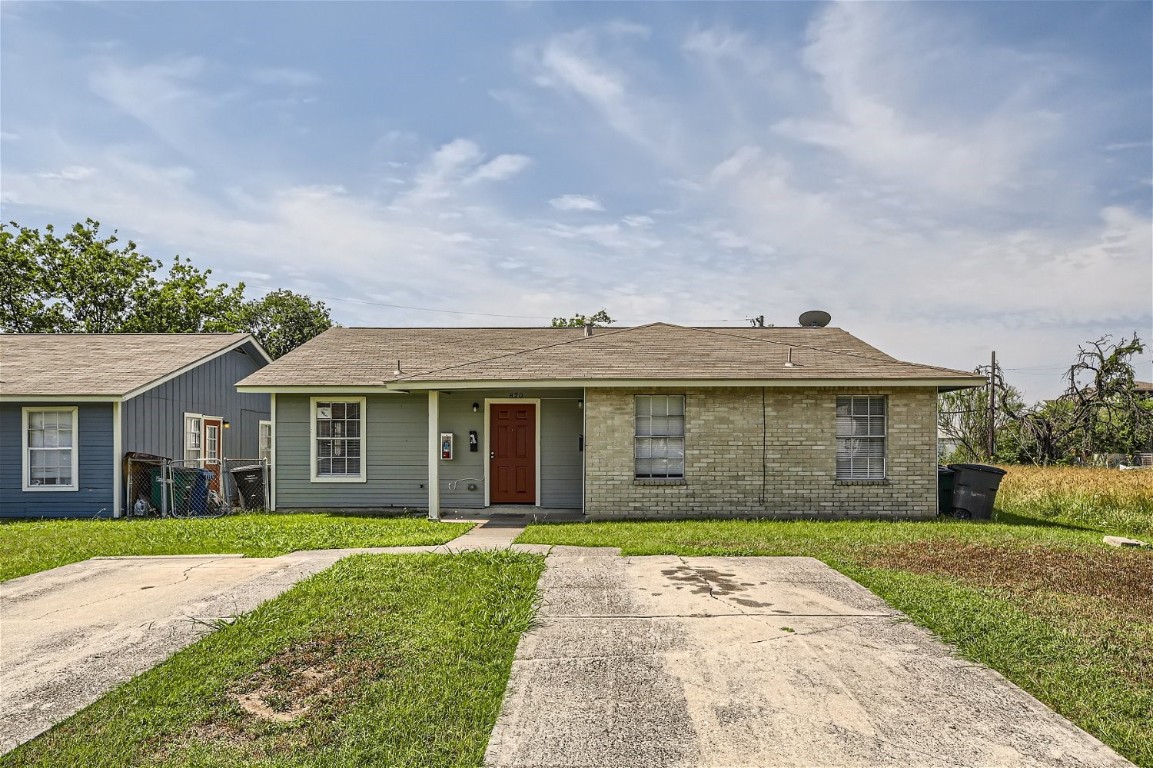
(659, 481)
(49, 488)
(878, 481)
(339, 479)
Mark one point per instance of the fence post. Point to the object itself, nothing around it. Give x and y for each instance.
(129, 501)
(164, 489)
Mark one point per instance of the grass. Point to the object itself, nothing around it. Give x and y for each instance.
(1097, 498)
(1035, 595)
(29, 547)
(380, 660)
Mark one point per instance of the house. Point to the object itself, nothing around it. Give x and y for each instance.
(654, 421)
(73, 405)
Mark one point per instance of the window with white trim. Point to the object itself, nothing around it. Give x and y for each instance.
(50, 457)
(337, 436)
(264, 441)
(659, 445)
(193, 438)
(861, 434)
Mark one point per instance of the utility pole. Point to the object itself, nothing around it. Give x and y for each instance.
(991, 441)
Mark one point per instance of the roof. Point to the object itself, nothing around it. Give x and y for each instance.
(103, 365)
(368, 357)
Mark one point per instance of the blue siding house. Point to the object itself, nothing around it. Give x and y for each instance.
(73, 405)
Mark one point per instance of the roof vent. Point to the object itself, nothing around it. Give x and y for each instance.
(814, 318)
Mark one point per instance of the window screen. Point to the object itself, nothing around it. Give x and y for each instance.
(861, 432)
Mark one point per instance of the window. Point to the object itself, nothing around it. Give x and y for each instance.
(337, 437)
(49, 455)
(660, 436)
(861, 437)
(193, 429)
(264, 441)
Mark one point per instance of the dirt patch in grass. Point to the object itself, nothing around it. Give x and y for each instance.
(1122, 579)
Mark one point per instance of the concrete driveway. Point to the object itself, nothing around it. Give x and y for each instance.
(71, 634)
(670, 661)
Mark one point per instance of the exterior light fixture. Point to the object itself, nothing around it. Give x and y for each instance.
(476, 407)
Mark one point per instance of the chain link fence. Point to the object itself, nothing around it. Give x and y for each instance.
(156, 486)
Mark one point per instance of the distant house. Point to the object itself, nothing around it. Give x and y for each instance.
(656, 421)
(72, 406)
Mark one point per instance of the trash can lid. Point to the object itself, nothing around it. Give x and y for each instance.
(945, 470)
(978, 468)
(248, 468)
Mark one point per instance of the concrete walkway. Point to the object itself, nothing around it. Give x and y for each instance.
(670, 661)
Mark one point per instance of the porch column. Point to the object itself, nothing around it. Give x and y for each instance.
(433, 455)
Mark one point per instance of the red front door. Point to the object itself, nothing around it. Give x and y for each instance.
(512, 457)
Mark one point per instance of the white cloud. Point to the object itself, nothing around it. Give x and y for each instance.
(576, 203)
(69, 173)
(499, 168)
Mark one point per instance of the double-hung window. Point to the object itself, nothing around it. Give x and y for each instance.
(193, 439)
(49, 449)
(861, 430)
(337, 439)
(659, 445)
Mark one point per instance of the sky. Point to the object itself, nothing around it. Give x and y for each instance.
(945, 179)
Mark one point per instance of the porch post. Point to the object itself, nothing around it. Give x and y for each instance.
(433, 454)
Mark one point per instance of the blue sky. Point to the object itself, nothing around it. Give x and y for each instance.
(944, 178)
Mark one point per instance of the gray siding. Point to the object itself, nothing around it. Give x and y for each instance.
(396, 456)
(94, 444)
(154, 421)
(397, 449)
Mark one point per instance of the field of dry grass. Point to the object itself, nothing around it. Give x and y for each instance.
(1090, 497)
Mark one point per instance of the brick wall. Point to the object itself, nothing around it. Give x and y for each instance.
(743, 459)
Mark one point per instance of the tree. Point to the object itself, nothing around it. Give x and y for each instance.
(963, 419)
(1100, 411)
(83, 283)
(283, 320)
(579, 321)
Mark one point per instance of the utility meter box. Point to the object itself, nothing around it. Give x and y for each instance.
(446, 446)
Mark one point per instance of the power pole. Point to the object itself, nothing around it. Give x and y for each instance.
(991, 438)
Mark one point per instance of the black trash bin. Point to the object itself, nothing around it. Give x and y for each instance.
(945, 491)
(974, 490)
(250, 485)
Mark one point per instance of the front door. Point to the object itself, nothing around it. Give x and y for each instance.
(512, 456)
(213, 450)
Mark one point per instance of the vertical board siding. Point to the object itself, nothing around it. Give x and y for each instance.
(395, 455)
(154, 420)
(94, 445)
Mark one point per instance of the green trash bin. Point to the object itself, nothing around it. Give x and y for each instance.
(182, 482)
(945, 491)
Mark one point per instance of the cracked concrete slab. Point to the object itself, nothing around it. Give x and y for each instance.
(670, 661)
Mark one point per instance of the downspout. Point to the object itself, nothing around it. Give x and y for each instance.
(272, 454)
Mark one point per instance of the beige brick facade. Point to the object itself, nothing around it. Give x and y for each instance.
(753, 452)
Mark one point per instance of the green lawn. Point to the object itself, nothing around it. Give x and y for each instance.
(1048, 605)
(28, 547)
(380, 660)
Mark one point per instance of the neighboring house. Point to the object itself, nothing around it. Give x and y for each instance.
(656, 421)
(72, 406)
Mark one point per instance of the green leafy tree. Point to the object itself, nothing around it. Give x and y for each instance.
(283, 320)
(579, 321)
(85, 283)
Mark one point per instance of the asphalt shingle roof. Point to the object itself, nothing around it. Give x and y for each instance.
(94, 364)
(369, 356)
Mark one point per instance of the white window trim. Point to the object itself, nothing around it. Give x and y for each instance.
(363, 476)
(26, 467)
(259, 426)
(184, 437)
(884, 476)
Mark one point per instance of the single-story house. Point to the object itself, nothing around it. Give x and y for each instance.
(73, 405)
(654, 421)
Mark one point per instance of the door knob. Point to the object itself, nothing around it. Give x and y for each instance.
(492, 454)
